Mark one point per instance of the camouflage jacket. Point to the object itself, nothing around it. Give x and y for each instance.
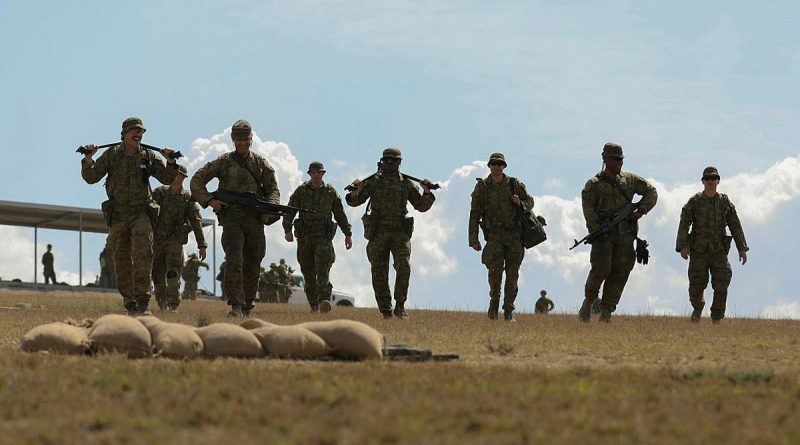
(191, 270)
(179, 214)
(235, 178)
(128, 181)
(390, 198)
(47, 261)
(284, 273)
(604, 194)
(326, 202)
(271, 278)
(544, 305)
(493, 209)
(708, 218)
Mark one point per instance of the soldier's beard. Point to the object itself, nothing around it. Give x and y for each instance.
(391, 169)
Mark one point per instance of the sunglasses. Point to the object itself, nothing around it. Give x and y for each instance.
(710, 178)
(495, 163)
(390, 160)
(615, 158)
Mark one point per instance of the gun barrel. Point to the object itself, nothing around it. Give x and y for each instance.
(175, 154)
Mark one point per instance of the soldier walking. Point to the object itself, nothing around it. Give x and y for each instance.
(243, 237)
(390, 230)
(47, 262)
(191, 275)
(707, 246)
(271, 284)
(613, 255)
(495, 200)
(544, 305)
(315, 232)
(221, 278)
(130, 210)
(285, 272)
(178, 216)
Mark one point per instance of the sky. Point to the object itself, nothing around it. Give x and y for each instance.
(680, 85)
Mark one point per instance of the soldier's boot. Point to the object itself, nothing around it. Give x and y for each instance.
(585, 313)
(132, 308)
(313, 309)
(716, 320)
(494, 309)
(246, 310)
(172, 308)
(386, 315)
(236, 311)
(400, 311)
(696, 315)
(508, 316)
(324, 306)
(605, 316)
(142, 307)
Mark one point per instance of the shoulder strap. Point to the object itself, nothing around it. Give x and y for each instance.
(243, 163)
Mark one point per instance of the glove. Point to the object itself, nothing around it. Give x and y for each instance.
(642, 254)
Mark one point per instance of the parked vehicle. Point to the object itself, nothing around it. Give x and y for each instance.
(298, 286)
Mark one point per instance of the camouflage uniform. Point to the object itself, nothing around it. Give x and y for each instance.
(179, 214)
(544, 305)
(285, 281)
(221, 278)
(243, 237)
(708, 246)
(108, 274)
(390, 195)
(47, 262)
(493, 209)
(314, 233)
(613, 255)
(271, 279)
(131, 229)
(191, 276)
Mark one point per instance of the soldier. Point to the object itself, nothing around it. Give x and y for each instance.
(243, 237)
(706, 248)
(390, 230)
(221, 278)
(315, 232)
(613, 255)
(130, 210)
(178, 216)
(47, 262)
(544, 305)
(262, 285)
(495, 201)
(191, 276)
(285, 274)
(271, 284)
(108, 274)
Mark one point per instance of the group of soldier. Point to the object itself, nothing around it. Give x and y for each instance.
(275, 284)
(147, 241)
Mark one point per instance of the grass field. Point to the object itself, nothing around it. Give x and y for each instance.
(544, 379)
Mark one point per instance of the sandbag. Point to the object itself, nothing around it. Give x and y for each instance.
(255, 323)
(348, 338)
(229, 340)
(120, 333)
(56, 337)
(149, 321)
(173, 340)
(291, 342)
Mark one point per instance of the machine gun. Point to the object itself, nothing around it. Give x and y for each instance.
(175, 154)
(250, 199)
(609, 223)
(351, 187)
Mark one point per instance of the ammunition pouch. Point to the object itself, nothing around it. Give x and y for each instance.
(368, 220)
(108, 211)
(299, 227)
(408, 225)
(482, 225)
(726, 242)
(331, 229)
(182, 233)
(153, 211)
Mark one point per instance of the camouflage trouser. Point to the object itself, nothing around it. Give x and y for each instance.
(503, 253)
(270, 294)
(379, 247)
(612, 258)
(50, 275)
(167, 266)
(316, 256)
(133, 257)
(700, 264)
(189, 290)
(284, 293)
(245, 245)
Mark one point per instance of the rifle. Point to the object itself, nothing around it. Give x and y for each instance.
(351, 187)
(250, 199)
(175, 154)
(609, 223)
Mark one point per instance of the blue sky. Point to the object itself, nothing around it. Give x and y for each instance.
(680, 85)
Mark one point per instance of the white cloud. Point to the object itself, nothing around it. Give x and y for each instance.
(782, 309)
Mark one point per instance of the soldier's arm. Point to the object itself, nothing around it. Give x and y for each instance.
(288, 218)
(202, 264)
(197, 224)
(355, 200)
(682, 239)
(735, 226)
(93, 171)
(648, 192)
(589, 203)
(197, 184)
(164, 174)
(269, 183)
(422, 202)
(524, 197)
(475, 213)
(339, 216)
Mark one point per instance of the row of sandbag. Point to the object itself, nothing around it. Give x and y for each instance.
(147, 336)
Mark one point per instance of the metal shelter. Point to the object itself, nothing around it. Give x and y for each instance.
(80, 219)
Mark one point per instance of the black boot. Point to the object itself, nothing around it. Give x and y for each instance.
(508, 316)
(585, 313)
(696, 315)
(605, 316)
(400, 311)
(494, 309)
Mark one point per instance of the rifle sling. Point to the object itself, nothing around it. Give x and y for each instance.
(243, 163)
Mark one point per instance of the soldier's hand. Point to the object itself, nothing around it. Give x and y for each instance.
(217, 205)
(167, 152)
(288, 236)
(426, 185)
(742, 257)
(636, 216)
(515, 199)
(201, 252)
(91, 149)
(348, 242)
(685, 253)
(358, 184)
(476, 246)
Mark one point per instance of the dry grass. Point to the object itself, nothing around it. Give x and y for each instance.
(544, 379)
